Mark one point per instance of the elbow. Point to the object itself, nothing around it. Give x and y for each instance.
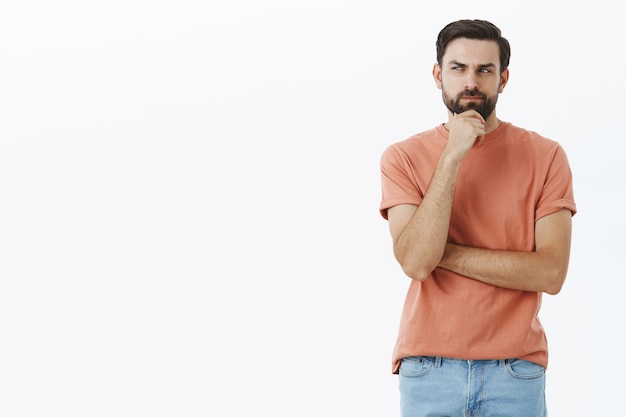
(553, 289)
(555, 281)
(416, 272)
(418, 268)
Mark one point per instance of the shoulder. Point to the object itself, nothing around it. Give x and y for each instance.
(430, 139)
(532, 142)
(524, 135)
(537, 152)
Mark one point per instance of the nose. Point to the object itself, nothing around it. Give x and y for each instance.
(470, 82)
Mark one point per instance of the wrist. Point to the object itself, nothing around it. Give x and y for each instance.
(450, 160)
(448, 256)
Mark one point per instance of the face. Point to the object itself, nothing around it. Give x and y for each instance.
(469, 76)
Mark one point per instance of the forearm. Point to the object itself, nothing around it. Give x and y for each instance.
(421, 244)
(420, 233)
(527, 271)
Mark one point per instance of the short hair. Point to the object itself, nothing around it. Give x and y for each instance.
(473, 29)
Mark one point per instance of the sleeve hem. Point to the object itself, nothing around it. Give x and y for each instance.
(390, 202)
(554, 207)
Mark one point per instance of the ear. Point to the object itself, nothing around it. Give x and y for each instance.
(437, 75)
(504, 78)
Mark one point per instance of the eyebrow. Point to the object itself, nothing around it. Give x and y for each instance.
(462, 65)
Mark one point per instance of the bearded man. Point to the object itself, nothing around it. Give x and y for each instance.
(480, 214)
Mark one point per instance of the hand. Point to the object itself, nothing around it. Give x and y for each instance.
(465, 129)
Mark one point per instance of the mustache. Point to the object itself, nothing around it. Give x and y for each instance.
(471, 93)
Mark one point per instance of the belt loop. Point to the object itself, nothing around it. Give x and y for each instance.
(502, 363)
(437, 361)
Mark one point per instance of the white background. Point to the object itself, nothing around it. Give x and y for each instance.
(189, 200)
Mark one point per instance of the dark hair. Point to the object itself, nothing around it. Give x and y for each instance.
(473, 29)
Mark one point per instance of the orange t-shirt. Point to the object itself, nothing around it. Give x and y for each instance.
(504, 185)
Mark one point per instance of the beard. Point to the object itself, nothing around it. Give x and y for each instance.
(484, 108)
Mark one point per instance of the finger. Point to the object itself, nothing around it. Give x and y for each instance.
(473, 114)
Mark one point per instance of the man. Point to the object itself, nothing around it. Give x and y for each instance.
(480, 215)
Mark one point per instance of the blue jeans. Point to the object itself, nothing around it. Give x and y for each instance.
(441, 387)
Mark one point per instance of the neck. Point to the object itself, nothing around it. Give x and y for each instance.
(492, 123)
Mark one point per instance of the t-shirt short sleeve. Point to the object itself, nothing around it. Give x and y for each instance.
(557, 190)
(398, 182)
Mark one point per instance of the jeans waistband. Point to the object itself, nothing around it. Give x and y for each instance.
(439, 360)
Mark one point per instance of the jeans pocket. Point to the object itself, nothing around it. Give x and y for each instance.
(521, 369)
(416, 366)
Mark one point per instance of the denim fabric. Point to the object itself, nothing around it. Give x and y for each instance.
(441, 387)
